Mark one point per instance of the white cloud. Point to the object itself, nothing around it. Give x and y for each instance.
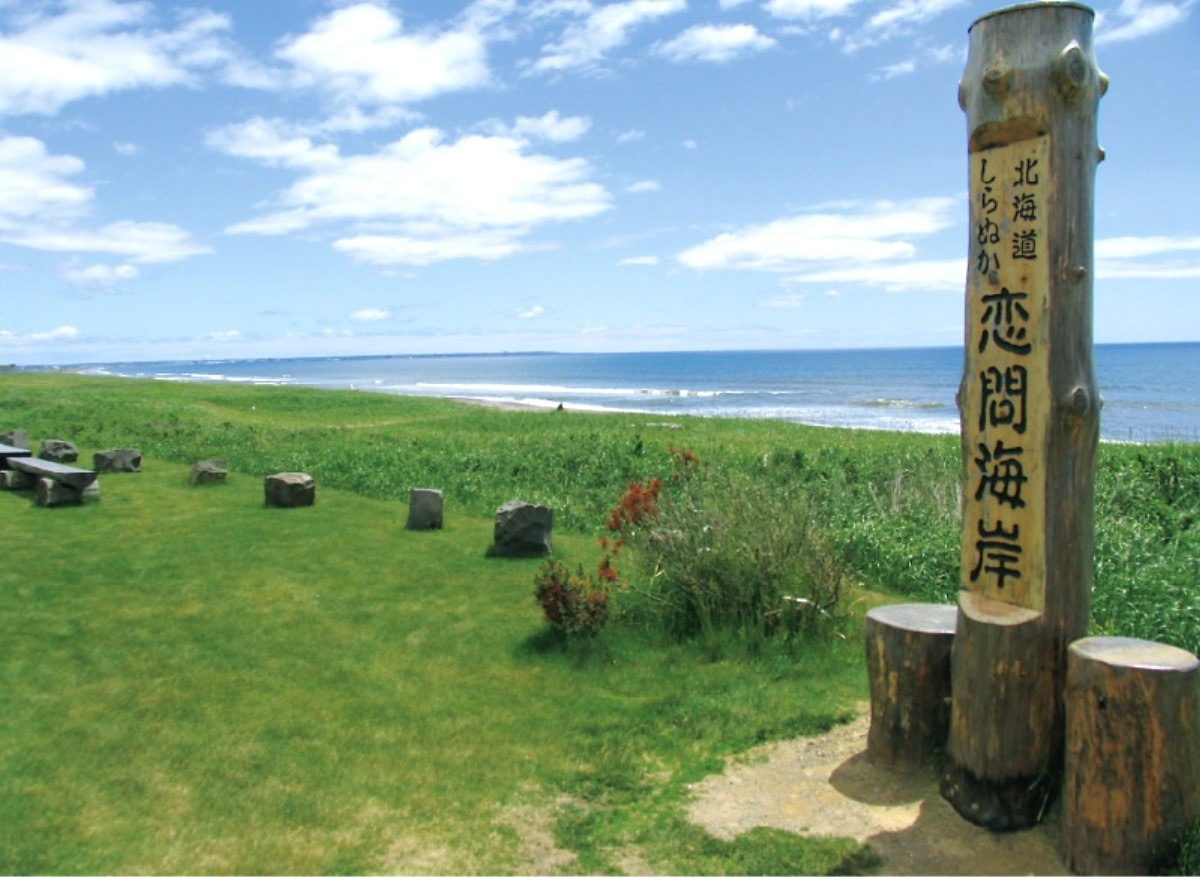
(1135, 19)
(531, 313)
(143, 242)
(101, 275)
(97, 47)
(847, 233)
(795, 300)
(903, 68)
(715, 43)
(941, 275)
(61, 334)
(427, 249)
(809, 9)
(550, 126)
(361, 55)
(1132, 247)
(643, 186)
(907, 13)
(639, 260)
(225, 337)
(273, 142)
(631, 136)
(125, 148)
(423, 199)
(608, 27)
(370, 315)
(34, 186)
(1125, 258)
(41, 210)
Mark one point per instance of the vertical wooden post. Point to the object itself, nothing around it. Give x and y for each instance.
(1028, 404)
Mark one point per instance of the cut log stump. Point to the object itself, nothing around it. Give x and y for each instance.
(908, 667)
(1132, 771)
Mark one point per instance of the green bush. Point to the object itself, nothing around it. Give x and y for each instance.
(721, 554)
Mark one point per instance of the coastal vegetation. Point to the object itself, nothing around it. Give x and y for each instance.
(192, 682)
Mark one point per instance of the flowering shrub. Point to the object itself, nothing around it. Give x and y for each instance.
(573, 602)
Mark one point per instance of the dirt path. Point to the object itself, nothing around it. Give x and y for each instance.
(826, 786)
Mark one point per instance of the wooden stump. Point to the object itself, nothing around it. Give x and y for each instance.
(1132, 771)
(908, 667)
(1003, 755)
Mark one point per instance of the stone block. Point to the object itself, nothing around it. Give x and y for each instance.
(522, 530)
(208, 472)
(58, 451)
(289, 490)
(424, 509)
(119, 460)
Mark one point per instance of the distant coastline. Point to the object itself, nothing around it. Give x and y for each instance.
(1151, 392)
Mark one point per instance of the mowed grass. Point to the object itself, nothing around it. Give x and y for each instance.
(191, 682)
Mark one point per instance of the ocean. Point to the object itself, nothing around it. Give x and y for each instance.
(1151, 391)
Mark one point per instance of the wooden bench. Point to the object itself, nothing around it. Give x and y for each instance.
(56, 483)
(7, 452)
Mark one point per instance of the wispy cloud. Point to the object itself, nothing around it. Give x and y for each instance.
(1134, 19)
(423, 198)
(809, 10)
(585, 43)
(49, 58)
(41, 209)
(714, 43)
(371, 315)
(550, 126)
(1162, 257)
(848, 234)
(531, 313)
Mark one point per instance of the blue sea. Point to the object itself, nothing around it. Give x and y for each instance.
(1151, 391)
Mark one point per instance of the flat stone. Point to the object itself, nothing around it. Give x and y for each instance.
(119, 460)
(208, 472)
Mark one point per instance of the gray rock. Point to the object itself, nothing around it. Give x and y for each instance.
(522, 530)
(424, 509)
(58, 451)
(119, 460)
(289, 490)
(17, 438)
(208, 472)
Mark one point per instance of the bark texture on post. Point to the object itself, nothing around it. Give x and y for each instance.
(1028, 403)
(908, 668)
(1132, 774)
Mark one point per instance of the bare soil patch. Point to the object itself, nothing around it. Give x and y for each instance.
(826, 786)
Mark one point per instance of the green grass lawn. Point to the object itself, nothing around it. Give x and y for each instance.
(191, 682)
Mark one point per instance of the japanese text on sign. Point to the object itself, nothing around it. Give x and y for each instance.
(1006, 392)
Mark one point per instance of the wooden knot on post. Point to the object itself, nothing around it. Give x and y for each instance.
(1071, 73)
(1131, 778)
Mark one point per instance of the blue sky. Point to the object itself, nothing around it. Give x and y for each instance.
(309, 178)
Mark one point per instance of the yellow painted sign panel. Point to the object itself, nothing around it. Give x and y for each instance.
(1006, 402)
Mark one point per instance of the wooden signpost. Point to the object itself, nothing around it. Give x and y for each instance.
(1029, 406)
